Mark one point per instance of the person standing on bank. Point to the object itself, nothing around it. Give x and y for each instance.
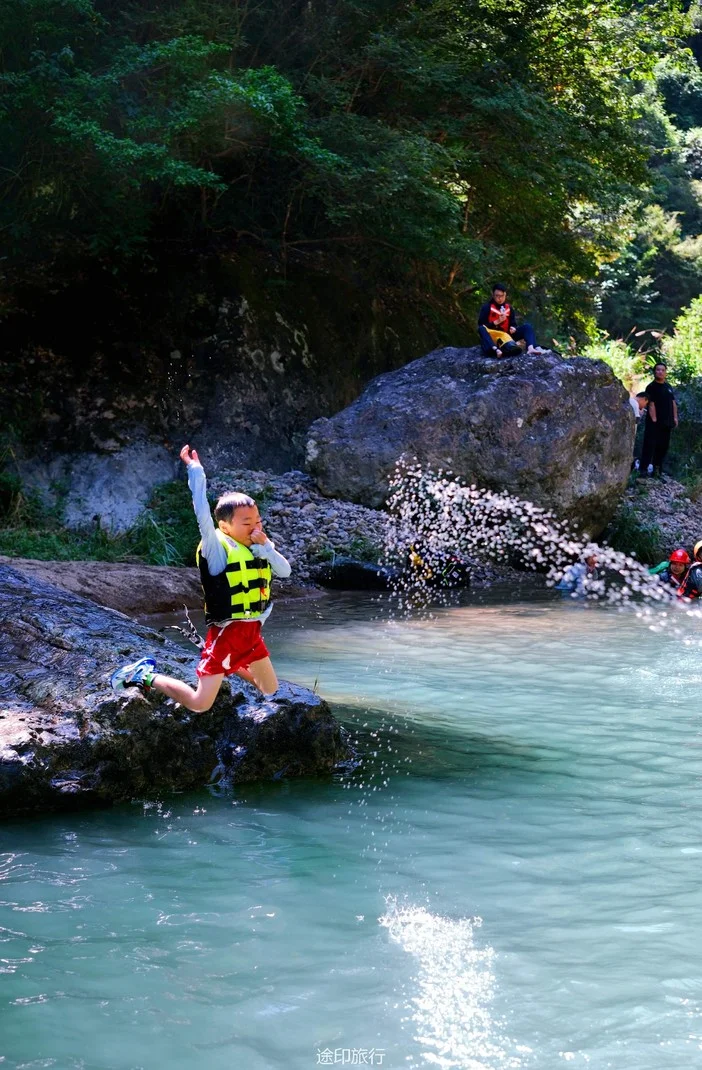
(497, 325)
(661, 418)
(639, 404)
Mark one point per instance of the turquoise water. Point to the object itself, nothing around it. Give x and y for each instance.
(512, 880)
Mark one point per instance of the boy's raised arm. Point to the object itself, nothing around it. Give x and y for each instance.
(212, 548)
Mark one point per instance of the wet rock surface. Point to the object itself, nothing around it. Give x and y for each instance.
(558, 432)
(346, 574)
(67, 740)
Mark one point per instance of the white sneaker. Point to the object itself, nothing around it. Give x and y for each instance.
(535, 350)
(132, 675)
(649, 470)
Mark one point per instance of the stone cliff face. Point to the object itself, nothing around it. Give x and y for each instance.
(245, 353)
(239, 364)
(255, 356)
(556, 432)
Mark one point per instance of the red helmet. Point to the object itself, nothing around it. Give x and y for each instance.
(679, 557)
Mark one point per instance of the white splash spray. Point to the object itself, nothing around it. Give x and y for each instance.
(444, 519)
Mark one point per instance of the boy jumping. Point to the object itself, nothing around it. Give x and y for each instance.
(236, 561)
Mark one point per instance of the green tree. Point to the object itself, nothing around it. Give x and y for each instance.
(684, 349)
(431, 141)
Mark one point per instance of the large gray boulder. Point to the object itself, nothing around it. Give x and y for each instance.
(557, 432)
(67, 740)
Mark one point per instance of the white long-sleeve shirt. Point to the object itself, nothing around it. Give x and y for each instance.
(213, 550)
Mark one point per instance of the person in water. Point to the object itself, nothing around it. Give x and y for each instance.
(497, 325)
(236, 561)
(673, 571)
(691, 587)
(576, 577)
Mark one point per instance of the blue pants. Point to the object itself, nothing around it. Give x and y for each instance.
(526, 332)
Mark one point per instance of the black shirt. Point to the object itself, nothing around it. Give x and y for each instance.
(662, 396)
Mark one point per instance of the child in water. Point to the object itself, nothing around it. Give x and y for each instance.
(236, 561)
(576, 577)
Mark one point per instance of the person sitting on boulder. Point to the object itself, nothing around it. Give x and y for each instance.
(497, 327)
(236, 561)
(577, 577)
(672, 572)
(691, 587)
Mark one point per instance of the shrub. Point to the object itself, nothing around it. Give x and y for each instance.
(632, 536)
(166, 533)
(627, 363)
(684, 350)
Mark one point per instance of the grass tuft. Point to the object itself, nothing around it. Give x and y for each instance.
(628, 534)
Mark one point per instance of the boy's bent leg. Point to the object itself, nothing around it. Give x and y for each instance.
(526, 332)
(199, 701)
(486, 342)
(263, 675)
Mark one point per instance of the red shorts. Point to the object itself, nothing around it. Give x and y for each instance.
(228, 649)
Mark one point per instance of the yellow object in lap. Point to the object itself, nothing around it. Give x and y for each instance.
(499, 336)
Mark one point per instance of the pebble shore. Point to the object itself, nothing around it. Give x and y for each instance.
(311, 530)
(666, 504)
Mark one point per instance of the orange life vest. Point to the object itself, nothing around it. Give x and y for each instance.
(494, 315)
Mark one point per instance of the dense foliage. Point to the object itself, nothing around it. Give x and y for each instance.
(439, 142)
(659, 270)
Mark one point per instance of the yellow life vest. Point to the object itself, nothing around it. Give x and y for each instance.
(242, 591)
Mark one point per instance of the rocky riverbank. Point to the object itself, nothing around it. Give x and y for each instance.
(67, 740)
(307, 527)
(665, 510)
(547, 429)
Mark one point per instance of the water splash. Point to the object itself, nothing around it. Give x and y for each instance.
(455, 987)
(444, 519)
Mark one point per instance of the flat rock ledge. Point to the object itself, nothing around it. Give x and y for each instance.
(66, 740)
(135, 589)
(130, 588)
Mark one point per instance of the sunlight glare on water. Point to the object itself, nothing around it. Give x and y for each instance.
(510, 879)
(454, 989)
